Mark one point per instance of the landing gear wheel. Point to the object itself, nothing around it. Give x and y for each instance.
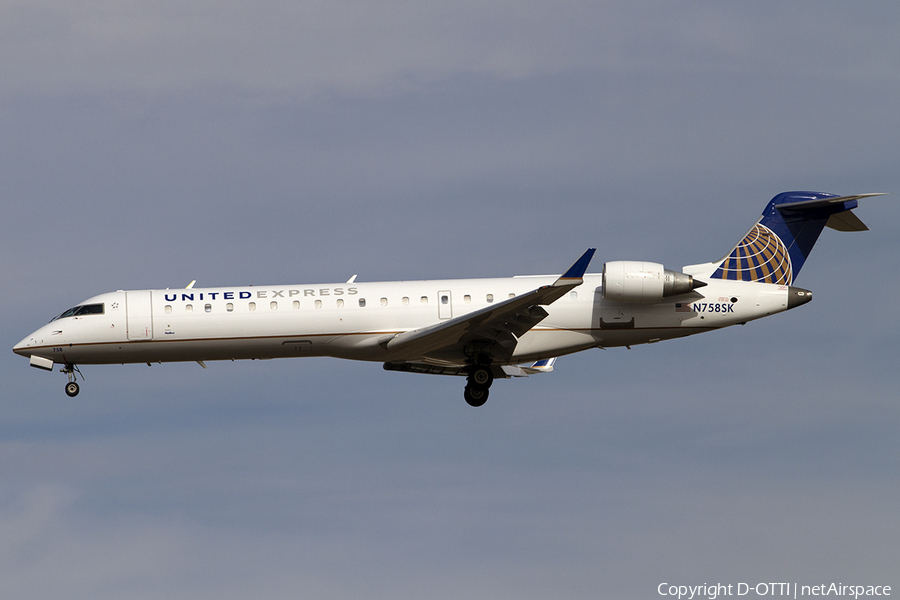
(481, 377)
(71, 387)
(475, 396)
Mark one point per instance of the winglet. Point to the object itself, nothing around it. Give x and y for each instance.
(541, 366)
(577, 270)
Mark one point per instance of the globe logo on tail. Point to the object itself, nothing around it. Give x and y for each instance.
(761, 256)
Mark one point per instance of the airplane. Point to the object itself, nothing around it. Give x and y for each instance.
(480, 329)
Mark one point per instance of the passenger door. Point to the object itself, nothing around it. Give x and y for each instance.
(139, 315)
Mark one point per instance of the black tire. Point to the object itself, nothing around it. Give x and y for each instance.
(475, 396)
(72, 389)
(481, 377)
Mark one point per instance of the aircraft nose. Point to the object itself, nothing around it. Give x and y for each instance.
(24, 348)
(21, 347)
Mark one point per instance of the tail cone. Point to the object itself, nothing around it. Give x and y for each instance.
(798, 296)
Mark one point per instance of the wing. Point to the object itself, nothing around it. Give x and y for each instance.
(492, 331)
(506, 371)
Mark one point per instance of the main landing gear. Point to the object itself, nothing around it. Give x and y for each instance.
(477, 385)
(72, 388)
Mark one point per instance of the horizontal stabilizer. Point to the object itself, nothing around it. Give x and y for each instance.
(822, 202)
(846, 221)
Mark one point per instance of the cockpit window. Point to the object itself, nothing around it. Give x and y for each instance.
(79, 311)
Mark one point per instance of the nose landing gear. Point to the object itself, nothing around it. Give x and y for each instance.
(72, 387)
(477, 385)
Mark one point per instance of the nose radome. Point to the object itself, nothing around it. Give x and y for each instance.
(22, 347)
(34, 339)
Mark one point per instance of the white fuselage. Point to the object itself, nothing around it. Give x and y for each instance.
(355, 320)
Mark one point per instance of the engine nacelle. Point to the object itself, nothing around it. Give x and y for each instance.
(643, 282)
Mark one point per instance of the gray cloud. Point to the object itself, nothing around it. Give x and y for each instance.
(321, 47)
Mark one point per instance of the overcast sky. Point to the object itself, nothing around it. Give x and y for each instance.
(145, 144)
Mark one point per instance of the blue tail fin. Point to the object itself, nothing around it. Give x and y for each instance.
(774, 249)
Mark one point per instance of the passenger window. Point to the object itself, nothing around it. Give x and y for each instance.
(467, 299)
(340, 303)
(208, 308)
(362, 302)
(384, 301)
(489, 297)
(573, 295)
(511, 295)
(189, 308)
(424, 300)
(168, 309)
(318, 304)
(296, 304)
(273, 305)
(252, 306)
(229, 307)
(405, 301)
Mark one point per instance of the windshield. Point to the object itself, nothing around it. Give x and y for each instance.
(78, 311)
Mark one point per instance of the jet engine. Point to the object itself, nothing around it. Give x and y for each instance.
(644, 282)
